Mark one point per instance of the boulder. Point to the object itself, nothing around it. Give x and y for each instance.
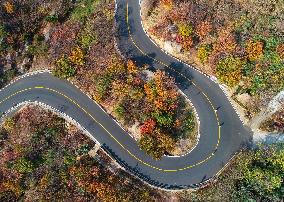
(172, 47)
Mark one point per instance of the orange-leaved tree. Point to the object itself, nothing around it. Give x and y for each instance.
(254, 50)
(148, 127)
(203, 29)
(131, 66)
(168, 4)
(161, 92)
(226, 42)
(77, 56)
(280, 50)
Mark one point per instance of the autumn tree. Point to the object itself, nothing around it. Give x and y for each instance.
(262, 174)
(148, 127)
(131, 66)
(168, 4)
(280, 50)
(157, 144)
(204, 52)
(225, 42)
(77, 56)
(229, 70)
(185, 29)
(186, 42)
(24, 165)
(62, 39)
(161, 91)
(64, 69)
(119, 89)
(164, 119)
(254, 50)
(203, 29)
(9, 7)
(9, 124)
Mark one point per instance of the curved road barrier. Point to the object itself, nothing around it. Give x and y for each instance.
(221, 132)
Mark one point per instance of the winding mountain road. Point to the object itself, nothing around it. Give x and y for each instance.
(222, 133)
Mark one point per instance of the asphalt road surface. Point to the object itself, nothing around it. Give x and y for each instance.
(222, 133)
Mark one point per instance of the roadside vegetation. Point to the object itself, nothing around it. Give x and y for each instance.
(138, 98)
(239, 42)
(70, 39)
(255, 175)
(21, 38)
(44, 158)
(154, 105)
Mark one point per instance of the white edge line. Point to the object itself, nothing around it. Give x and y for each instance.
(212, 78)
(198, 129)
(71, 120)
(55, 111)
(23, 76)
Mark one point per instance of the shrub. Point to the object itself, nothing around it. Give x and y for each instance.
(148, 127)
(163, 119)
(157, 144)
(203, 29)
(272, 58)
(229, 70)
(263, 175)
(83, 10)
(9, 124)
(23, 165)
(258, 84)
(77, 56)
(103, 84)
(271, 42)
(7, 76)
(9, 7)
(254, 50)
(203, 53)
(248, 68)
(119, 110)
(3, 32)
(188, 124)
(185, 30)
(280, 50)
(3, 136)
(3, 35)
(87, 36)
(149, 145)
(87, 39)
(51, 18)
(63, 68)
(84, 149)
(39, 47)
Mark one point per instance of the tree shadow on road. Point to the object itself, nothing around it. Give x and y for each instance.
(137, 171)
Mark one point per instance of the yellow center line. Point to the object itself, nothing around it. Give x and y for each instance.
(94, 119)
(112, 136)
(184, 76)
